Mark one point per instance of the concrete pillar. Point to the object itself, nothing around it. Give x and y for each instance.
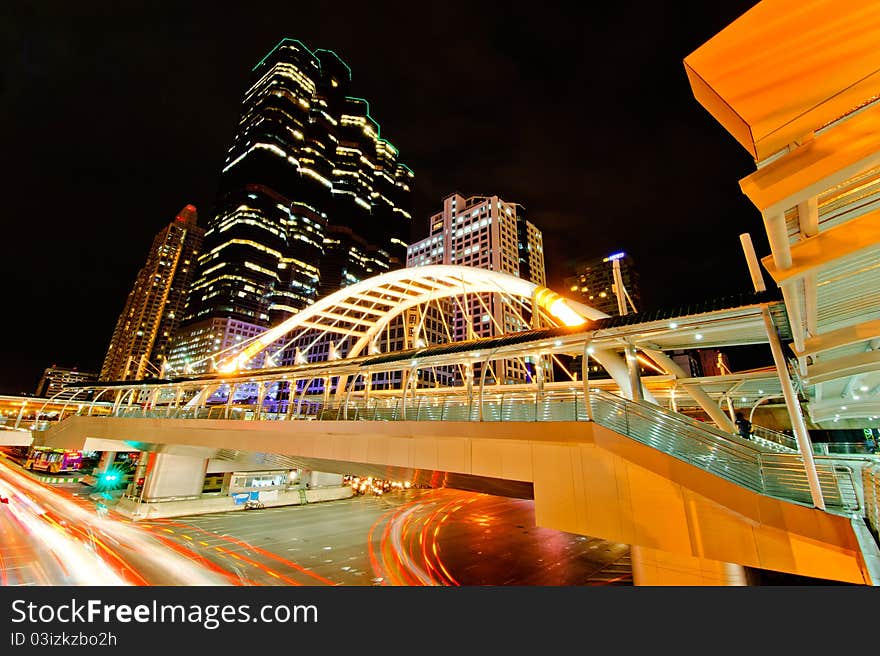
(652, 567)
(174, 476)
(139, 473)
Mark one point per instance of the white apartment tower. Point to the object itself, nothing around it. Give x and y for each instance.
(488, 233)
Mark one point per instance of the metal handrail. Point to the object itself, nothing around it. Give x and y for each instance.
(703, 445)
(775, 436)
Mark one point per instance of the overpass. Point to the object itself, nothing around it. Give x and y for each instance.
(696, 502)
(621, 461)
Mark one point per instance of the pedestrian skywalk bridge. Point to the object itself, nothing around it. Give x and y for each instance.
(766, 465)
(595, 463)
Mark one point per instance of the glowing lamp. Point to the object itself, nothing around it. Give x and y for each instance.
(560, 310)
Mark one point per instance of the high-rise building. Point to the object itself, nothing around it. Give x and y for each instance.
(489, 233)
(154, 308)
(593, 284)
(311, 198)
(54, 379)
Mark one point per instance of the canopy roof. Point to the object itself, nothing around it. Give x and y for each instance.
(785, 68)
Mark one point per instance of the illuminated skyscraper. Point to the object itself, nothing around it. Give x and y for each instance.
(489, 233)
(154, 307)
(311, 198)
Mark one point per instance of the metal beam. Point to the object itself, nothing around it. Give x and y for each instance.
(693, 389)
(852, 147)
(860, 332)
(827, 247)
(847, 365)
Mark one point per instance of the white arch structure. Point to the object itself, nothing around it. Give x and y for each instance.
(361, 311)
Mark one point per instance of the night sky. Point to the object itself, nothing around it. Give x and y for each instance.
(115, 117)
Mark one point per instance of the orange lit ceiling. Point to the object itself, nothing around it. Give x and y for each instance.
(787, 67)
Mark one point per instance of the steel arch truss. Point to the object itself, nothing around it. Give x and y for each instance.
(360, 312)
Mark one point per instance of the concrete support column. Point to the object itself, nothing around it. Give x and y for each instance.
(175, 476)
(139, 473)
(652, 567)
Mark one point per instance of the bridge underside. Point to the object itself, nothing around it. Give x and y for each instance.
(584, 478)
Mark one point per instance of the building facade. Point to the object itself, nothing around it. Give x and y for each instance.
(488, 233)
(154, 308)
(54, 379)
(593, 284)
(311, 198)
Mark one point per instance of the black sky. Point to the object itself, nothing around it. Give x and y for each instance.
(116, 115)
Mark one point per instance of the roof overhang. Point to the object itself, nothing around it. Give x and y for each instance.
(785, 68)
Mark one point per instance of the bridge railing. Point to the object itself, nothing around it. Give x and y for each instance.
(775, 436)
(780, 475)
(819, 448)
(705, 446)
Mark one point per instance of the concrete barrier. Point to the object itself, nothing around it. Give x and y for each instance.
(139, 511)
